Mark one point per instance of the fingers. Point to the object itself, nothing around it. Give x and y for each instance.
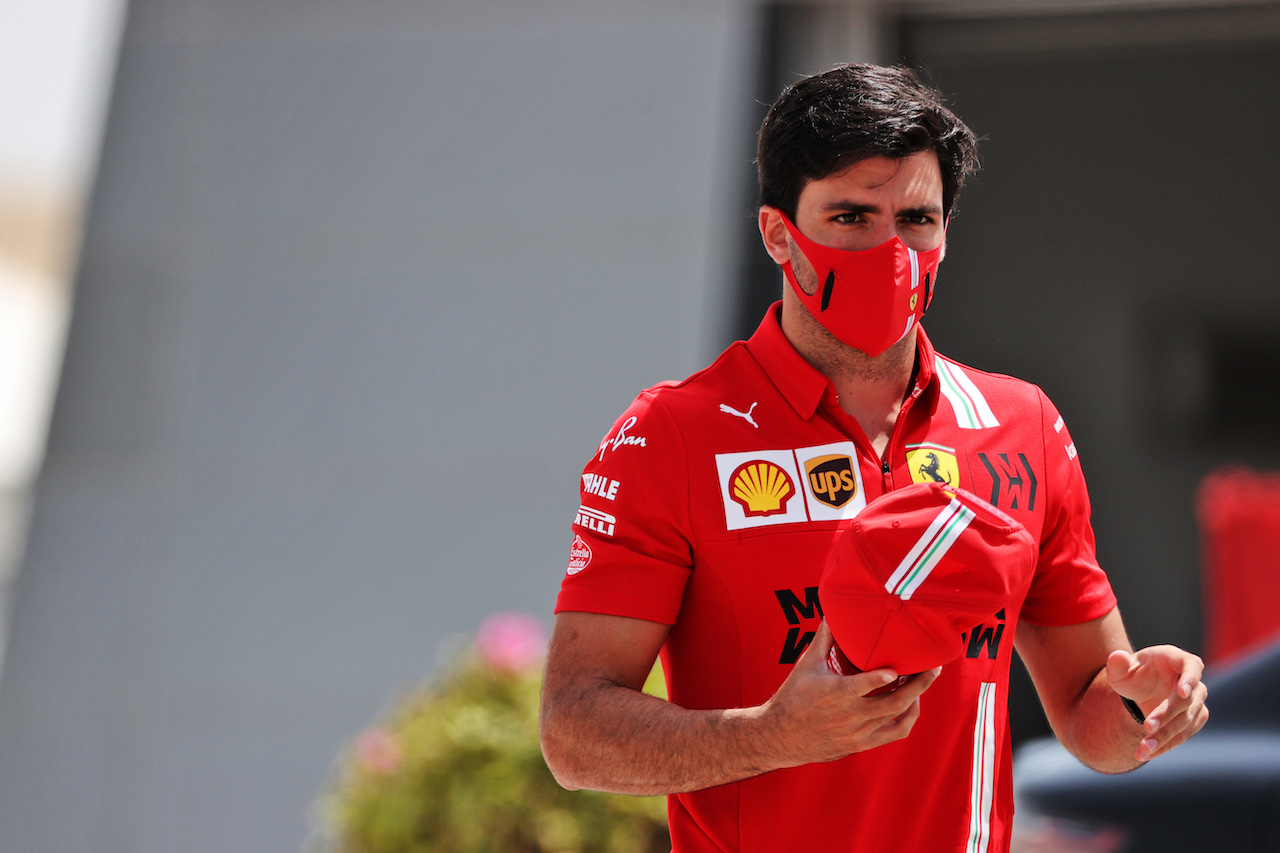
(914, 687)
(1169, 678)
(1173, 722)
(1189, 679)
(898, 711)
(896, 728)
(820, 716)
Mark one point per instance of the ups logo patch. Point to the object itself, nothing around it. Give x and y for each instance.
(831, 479)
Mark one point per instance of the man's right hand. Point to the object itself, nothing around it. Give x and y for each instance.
(818, 715)
(599, 731)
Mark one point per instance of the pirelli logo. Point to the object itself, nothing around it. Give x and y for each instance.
(596, 521)
(789, 486)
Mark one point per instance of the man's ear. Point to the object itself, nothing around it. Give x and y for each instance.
(773, 232)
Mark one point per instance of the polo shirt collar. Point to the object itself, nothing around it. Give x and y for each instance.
(799, 382)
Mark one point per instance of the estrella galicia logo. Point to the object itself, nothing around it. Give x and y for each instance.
(579, 555)
(1013, 483)
(831, 479)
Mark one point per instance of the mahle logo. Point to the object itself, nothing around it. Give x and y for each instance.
(831, 479)
(761, 488)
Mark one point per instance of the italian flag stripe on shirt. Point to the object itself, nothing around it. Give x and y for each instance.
(972, 411)
(984, 761)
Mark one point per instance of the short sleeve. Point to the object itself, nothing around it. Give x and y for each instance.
(1069, 587)
(631, 552)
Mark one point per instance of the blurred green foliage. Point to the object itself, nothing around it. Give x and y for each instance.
(457, 767)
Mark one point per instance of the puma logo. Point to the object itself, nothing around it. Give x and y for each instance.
(746, 416)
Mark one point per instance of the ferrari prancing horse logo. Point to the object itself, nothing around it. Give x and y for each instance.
(932, 463)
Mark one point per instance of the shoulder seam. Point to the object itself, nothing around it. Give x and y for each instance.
(688, 474)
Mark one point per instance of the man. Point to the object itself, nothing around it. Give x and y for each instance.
(708, 510)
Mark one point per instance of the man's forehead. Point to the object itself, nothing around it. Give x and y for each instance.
(915, 179)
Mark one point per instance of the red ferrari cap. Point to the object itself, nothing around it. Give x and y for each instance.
(915, 570)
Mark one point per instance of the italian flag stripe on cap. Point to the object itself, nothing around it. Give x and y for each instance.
(929, 549)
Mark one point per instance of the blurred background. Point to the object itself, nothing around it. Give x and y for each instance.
(311, 312)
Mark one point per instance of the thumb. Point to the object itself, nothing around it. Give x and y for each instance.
(1120, 665)
(819, 647)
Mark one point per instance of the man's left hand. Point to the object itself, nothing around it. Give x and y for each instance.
(1164, 682)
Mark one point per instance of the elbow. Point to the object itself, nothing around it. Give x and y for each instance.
(1111, 763)
(557, 751)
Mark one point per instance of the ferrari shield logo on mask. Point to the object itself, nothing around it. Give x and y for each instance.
(868, 299)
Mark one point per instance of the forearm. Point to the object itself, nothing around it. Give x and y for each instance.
(1099, 730)
(600, 731)
(1093, 722)
(1068, 666)
(613, 738)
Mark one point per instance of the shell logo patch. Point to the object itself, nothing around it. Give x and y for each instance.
(761, 488)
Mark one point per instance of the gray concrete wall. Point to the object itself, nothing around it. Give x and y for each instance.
(363, 285)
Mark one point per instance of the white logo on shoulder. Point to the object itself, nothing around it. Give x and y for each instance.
(621, 438)
(595, 484)
(595, 520)
(746, 416)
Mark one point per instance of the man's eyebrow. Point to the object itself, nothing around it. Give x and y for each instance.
(860, 207)
(921, 210)
(849, 207)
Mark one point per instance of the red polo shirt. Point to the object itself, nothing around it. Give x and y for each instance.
(710, 506)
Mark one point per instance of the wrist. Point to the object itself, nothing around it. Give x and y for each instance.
(756, 738)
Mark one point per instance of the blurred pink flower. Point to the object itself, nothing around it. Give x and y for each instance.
(378, 751)
(512, 642)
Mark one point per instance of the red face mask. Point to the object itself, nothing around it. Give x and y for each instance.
(868, 299)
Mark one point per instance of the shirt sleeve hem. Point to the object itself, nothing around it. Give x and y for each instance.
(620, 605)
(1087, 613)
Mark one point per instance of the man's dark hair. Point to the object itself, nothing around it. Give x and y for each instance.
(822, 124)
